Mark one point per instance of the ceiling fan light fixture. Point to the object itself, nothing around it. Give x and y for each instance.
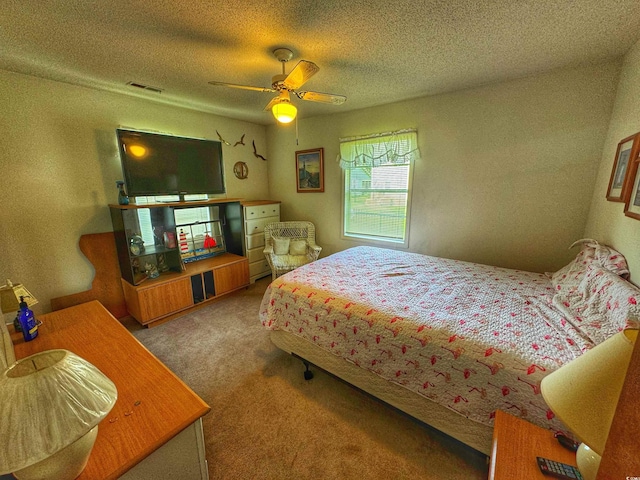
(284, 111)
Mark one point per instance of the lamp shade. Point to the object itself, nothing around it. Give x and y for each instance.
(49, 402)
(284, 111)
(584, 393)
(10, 297)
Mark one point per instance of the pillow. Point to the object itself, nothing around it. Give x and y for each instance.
(592, 253)
(601, 305)
(280, 245)
(298, 247)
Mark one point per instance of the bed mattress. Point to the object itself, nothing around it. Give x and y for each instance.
(472, 338)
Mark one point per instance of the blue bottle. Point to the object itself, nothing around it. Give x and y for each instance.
(27, 322)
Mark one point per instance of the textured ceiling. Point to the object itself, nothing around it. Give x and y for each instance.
(373, 52)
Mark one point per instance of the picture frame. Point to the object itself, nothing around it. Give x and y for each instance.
(620, 181)
(310, 170)
(632, 204)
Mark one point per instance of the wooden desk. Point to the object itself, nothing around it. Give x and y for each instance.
(517, 443)
(154, 430)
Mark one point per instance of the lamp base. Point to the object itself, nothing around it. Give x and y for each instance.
(588, 462)
(67, 464)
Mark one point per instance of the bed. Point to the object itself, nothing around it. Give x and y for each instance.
(446, 341)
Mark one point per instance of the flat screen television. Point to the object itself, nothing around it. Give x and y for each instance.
(157, 164)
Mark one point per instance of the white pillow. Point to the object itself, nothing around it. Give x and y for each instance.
(298, 247)
(280, 245)
(601, 305)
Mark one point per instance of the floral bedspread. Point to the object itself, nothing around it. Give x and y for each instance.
(474, 338)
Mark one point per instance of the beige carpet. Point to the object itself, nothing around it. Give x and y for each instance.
(267, 422)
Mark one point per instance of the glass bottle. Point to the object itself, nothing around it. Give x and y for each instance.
(27, 322)
(123, 199)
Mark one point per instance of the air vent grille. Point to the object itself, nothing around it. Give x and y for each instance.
(145, 87)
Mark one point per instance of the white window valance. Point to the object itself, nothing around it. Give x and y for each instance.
(390, 148)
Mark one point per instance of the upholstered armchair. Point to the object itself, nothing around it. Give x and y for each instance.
(289, 245)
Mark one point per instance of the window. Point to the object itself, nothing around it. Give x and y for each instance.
(377, 185)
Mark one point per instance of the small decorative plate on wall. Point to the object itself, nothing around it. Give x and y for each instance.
(241, 170)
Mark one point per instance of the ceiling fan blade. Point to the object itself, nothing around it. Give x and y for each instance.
(273, 101)
(244, 87)
(302, 72)
(322, 97)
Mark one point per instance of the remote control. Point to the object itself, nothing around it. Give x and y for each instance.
(558, 470)
(566, 442)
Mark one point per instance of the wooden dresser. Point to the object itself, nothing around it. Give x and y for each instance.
(155, 428)
(257, 214)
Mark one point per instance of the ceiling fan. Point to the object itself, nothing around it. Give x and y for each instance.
(285, 85)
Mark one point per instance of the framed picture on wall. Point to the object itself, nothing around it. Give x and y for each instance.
(632, 205)
(620, 181)
(310, 170)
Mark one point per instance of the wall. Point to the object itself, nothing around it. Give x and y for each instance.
(507, 170)
(59, 164)
(607, 221)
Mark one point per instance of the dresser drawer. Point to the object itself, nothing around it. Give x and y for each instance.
(255, 254)
(254, 241)
(258, 268)
(257, 225)
(261, 211)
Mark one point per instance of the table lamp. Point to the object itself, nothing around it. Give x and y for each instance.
(10, 297)
(584, 394)
(50, 407)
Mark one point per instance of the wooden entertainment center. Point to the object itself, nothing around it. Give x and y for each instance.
(189, 275)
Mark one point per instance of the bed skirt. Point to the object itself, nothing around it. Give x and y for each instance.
(469, 432)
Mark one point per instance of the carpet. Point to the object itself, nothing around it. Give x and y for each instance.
(267, 422)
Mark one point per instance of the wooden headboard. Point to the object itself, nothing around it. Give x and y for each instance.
(100, 250)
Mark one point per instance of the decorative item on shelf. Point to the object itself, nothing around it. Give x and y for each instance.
(151, 270)
(169, 239)
(584, 394)
(137, 244)
(123, 198)
(184, 246)
(162, 263)
(54, 401)
(209, 241)
(11, 295)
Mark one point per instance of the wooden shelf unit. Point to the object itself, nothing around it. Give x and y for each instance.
(160, 299)
(152, 301)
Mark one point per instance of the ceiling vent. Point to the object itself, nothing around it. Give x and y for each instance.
(145, 87)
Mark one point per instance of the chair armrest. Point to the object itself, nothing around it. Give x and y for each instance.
(268, 250)
(314, 250)
(315, 247)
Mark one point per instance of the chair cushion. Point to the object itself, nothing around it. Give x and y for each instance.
(281, 245)
(288, 262)
(298, 247)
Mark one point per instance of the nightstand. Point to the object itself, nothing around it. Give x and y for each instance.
(517, 443)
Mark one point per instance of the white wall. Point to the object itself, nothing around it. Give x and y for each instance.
(507, 170)
(59, 164)
(506, 177)
(607, 221)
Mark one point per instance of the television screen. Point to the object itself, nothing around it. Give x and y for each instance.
(156, 164)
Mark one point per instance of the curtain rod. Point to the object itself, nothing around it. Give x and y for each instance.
(376, 135)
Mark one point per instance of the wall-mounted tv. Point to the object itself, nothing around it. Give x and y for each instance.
(157, 164)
